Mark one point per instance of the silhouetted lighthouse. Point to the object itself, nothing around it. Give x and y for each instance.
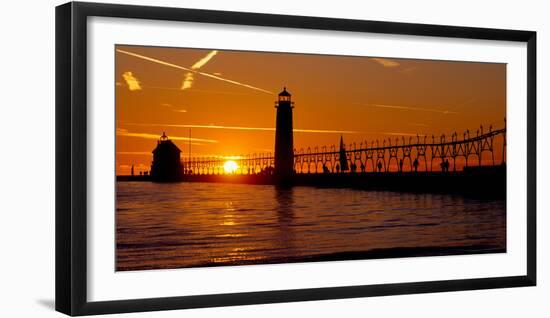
(166, 164)
(284, 145)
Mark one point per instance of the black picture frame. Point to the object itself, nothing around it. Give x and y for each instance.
(71, 157)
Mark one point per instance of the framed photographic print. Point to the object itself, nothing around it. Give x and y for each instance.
(208, 158)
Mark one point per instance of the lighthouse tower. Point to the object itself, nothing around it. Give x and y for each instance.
(284, 144)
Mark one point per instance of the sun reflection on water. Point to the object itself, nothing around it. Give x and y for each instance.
(194, 225)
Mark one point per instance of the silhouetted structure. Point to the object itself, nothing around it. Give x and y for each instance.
(417, 154)
(322, 166)
(366, 165)
(166, 164)
(343, 157)
(284, 144)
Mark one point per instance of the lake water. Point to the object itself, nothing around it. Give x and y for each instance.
(174, 225)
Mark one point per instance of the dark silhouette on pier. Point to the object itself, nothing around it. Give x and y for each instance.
(284, 139)
(167, 165)
(393, 164)
(343, 156)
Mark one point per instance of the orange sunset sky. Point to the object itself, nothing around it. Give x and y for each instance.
(227, 99)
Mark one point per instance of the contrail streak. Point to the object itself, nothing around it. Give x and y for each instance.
(200, 63)
(188, 81)
(250, 128)
(124, 132)
(148, 153)
(432, 110)
(273, 129)
(150, 59)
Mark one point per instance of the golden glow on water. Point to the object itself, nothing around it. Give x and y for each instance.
(231, 235)
(177, 225)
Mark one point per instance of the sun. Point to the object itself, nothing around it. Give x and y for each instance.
(230, 167)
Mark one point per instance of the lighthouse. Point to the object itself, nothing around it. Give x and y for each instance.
(166, 164)
(284, 140)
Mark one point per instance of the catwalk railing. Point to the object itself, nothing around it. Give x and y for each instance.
(402, 154)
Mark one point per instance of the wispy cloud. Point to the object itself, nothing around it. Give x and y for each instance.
(150, 59)
(188, 80)
(402, 134)
(418, 124)
(153, 136)
(196, 90)
(177, 110)
(133, 153)
(409, 70)
(467, 102)
(326, 131)
(132, 82)
(126, 133)
(410, 108)
(385, 62)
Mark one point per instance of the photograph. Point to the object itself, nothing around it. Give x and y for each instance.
(232, 157)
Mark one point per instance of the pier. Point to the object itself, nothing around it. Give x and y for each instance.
(455, 163)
